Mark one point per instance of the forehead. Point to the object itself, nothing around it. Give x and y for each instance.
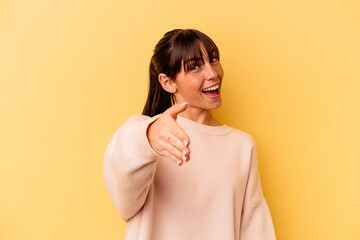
(188, 49)
(198, 58)
(198, 52)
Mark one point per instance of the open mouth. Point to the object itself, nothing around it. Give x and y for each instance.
(211, 91)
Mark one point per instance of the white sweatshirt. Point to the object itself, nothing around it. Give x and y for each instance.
(217, 195)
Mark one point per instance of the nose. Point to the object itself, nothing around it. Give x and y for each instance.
(211, 73)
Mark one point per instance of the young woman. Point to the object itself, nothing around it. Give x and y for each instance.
(175, 173)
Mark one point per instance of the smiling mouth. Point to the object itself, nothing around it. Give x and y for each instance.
(214, 89)
(212, 92)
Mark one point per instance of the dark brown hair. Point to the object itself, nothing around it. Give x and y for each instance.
(175, 47)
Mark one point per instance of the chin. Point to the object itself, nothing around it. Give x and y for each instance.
(216, 105)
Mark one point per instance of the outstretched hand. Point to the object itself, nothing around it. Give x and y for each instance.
(167, 138)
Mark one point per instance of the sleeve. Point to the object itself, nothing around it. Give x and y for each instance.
(256, 222)
(129, 166)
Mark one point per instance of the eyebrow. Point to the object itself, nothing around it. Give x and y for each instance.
(194, 59)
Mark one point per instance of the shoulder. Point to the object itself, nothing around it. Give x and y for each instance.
(140, 119)
(136, 118)
(242, 137)
(133, 129)
(137, 122)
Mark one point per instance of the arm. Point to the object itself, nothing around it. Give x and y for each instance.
(129, 166)
(256, 222)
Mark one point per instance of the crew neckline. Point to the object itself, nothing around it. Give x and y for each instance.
(202, 128)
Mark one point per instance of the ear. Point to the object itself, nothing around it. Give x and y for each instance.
(167, 83)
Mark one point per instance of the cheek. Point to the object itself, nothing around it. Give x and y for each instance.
(191, 90)
(220, 71)
(193, 86)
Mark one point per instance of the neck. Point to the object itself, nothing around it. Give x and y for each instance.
(201, 116)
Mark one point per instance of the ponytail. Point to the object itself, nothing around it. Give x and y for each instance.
(158, 99)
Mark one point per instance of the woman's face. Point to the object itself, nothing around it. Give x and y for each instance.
(200, 86)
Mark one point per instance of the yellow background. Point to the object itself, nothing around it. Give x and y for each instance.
(71, 72)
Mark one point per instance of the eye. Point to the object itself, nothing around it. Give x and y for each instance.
(214, 60)
(193, 67)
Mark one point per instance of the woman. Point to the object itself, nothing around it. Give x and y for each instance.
(177, 173)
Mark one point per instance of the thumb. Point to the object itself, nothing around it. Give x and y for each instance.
(176, 109)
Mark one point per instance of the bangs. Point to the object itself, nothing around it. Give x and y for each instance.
(189, 48)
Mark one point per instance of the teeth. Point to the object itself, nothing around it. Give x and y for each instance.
(211, 88)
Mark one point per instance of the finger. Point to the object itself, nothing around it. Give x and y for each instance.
(174, 151)
(176, 109)
(189, 154)
(180, 133)
(179, 144)
(178, 161)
